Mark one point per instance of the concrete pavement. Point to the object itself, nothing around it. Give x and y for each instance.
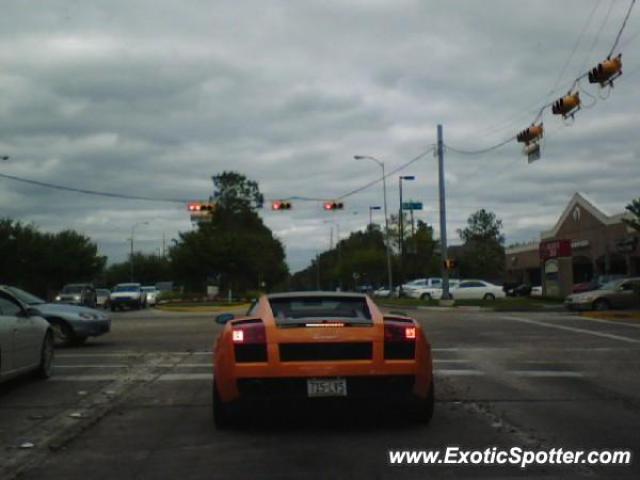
(136, 404)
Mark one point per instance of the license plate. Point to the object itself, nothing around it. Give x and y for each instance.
(335, 387)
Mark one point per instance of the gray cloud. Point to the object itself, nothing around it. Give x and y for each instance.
(153, 97)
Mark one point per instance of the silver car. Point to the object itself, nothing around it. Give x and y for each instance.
(71, 324)
(623, 293)
(26, 339)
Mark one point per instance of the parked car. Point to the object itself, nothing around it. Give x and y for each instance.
(595, 283)
(432, 289)
(26, 339)
(78, 294)
(151, 295)
(477, 290)
(536, 291)
(129, 295)
(71, 324)
(102, 297)
(623, 293)
(520, 290)
(382, 292)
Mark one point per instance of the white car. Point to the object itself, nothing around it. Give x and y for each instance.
(432, 292)
(382, 292)
(477, 290)
(128, 295)
(26, 339)
(152, 295)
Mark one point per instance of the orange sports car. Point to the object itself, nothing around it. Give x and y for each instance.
(314, 345)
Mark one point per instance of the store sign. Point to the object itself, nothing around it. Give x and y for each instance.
(626, 245)
(555, 249)
(579, 244)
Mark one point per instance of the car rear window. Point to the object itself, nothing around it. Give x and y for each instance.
(293, 310)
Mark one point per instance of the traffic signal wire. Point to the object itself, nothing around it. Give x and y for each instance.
(90, 192)
(431, 149)
(624, 24)
(575, 84)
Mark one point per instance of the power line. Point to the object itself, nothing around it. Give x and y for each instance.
(90, 192)
(624, 24)
(392, 172)
(575, 46)
(482, 150)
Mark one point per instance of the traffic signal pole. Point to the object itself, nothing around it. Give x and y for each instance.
(443, 217)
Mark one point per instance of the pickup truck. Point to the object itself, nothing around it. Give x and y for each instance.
(129, 295)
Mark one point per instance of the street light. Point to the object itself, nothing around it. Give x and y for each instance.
(401, 225)
(371, 209)
(133, 230)
(386, 217)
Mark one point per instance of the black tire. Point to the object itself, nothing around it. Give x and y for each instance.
(222, 418)
(63, 332)
(77, 340)
(113, 308)
(426, 297)
(425, 407)
(602, 304)
(489, 296)
(46, 357)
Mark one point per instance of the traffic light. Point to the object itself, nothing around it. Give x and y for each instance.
(201, 207)
(606, 72)
(567, 106)
(531, 134)
(450, 264)
(333, 205)
(281, 205)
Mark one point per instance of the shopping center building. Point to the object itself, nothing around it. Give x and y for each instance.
(584, 243)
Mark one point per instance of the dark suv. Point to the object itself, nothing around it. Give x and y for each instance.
(78, 294)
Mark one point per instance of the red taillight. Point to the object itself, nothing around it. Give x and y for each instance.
(249, 333)
(399, 340)
(399, 332)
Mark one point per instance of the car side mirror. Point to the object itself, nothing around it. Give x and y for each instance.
(224, 318)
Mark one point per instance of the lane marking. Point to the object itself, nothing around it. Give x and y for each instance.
(601, 320)
(547, 373)
(458, 373)
(574, 329)
(172, 377)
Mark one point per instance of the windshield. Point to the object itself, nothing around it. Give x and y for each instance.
(26, 297)
(126, 288)
(291, 310)
(72, 289)
(612, 285)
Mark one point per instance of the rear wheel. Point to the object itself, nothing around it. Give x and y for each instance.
(46, 357)
(425, 407)
(221, 416)
(425, 296)
(489, 296)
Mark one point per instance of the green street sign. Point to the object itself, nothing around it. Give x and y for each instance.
(412, 205)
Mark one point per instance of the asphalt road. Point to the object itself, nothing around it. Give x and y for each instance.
(136, 404)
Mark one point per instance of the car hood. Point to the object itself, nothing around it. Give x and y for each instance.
(588, 295)
(125, 294)
(61, 309)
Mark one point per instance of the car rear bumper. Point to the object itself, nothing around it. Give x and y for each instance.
(382, 387)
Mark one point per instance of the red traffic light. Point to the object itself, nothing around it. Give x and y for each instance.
(333, 205)
(281, 205)
(201, 207)
(194, 207)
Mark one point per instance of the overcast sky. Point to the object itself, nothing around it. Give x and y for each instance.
(154, 97)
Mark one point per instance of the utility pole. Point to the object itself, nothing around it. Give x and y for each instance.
(443, 217)
(401, 237)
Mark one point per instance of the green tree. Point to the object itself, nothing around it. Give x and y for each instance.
(148, 270)
(43, 262)
(634, 209)
(483, 251)
(235, 249)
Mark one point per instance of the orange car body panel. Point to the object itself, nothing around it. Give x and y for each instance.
(227, 370)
